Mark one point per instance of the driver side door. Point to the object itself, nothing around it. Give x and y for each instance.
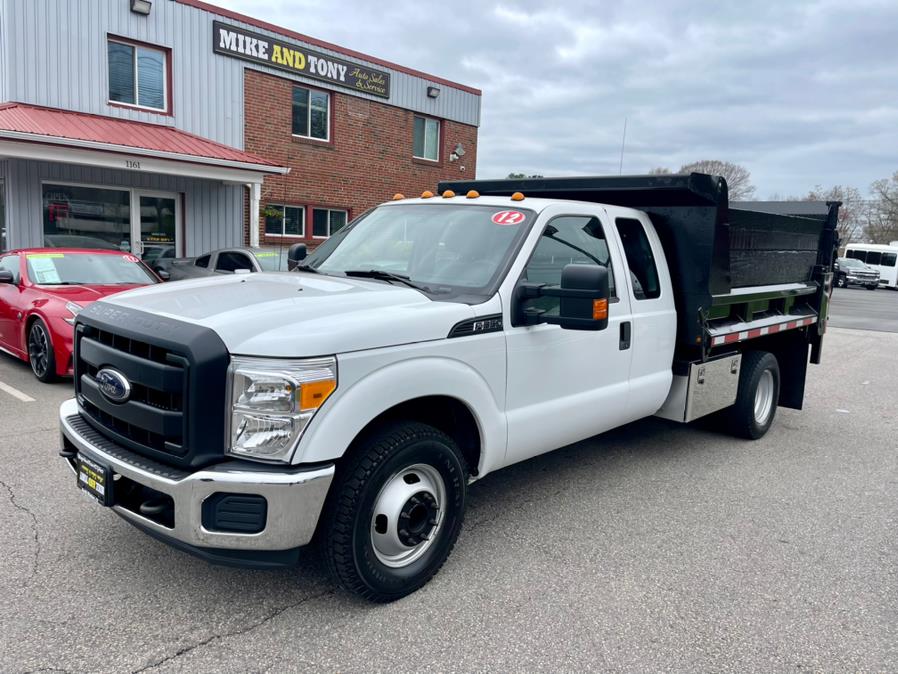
(11, 306)
(566, 385)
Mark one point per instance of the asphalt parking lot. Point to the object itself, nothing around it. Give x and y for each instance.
(864, 309)
(653, 547)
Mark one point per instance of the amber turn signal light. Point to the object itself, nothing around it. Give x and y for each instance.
(313, 394)
(599, 310)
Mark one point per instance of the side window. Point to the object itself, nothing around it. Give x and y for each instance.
(640, 260)
(873, 257)
(569, 239)
(11, 263)
(230, 262)
(202, 261)
(889, 259)
(857, 255)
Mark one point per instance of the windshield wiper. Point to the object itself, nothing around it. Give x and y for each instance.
(306, 267)
(382, 275)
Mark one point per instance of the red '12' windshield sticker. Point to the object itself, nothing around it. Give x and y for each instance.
(508, 218)
(130, 258)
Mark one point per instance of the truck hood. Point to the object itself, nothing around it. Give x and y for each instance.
(300, 314)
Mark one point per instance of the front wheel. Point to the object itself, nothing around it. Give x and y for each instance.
(757, 397)
(40, 352)
(871, 287)
(395, 511)
(841, 282)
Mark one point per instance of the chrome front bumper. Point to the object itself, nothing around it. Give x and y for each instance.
(295, 495)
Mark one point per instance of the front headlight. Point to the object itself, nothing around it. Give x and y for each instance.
(73, 309)
(272, 401)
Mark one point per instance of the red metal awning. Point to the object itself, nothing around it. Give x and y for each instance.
(52, 126)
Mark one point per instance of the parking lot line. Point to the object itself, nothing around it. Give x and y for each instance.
(16, 393)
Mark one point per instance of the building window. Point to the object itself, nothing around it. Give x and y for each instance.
(426, 144)
(285, 220)
(327, 221)
(137, 75)
(311, 113)
(86, 217)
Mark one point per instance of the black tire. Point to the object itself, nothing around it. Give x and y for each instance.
(40, 352)
(841, 282)
(871, 287)
(348, 528)
(742, 417)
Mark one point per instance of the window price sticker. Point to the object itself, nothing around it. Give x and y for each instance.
(43, 268)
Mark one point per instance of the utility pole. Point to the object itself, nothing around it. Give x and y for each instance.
(623, 143)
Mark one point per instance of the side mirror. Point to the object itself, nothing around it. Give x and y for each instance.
(589, 312)
(6, 276)
(583, 299)
(164, 275)
(296, 254)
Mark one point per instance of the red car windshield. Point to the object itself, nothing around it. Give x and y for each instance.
(86, 269)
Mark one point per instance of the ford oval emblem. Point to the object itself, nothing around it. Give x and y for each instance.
(113, 385)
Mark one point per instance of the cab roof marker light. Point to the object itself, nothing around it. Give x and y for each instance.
(426, 194)
(398, 196)
(472, 194)
(448, 194)
(517, 196)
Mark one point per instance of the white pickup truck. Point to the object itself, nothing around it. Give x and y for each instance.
(428, 343)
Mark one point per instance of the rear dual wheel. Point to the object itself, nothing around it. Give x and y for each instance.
(758, 395)
(395, 511)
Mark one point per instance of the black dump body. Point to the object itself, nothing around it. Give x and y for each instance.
(712, 246)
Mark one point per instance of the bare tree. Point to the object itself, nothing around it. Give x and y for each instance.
(518, 176)
(852, 213)
(882, 218)
(659, 171)
(738, 177)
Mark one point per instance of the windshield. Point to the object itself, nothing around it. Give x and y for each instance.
(445, 248)
(87, 269)
(272, 260)
(851, 262)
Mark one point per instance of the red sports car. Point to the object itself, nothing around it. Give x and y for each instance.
(43, 289)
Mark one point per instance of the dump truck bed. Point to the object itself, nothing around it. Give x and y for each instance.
(731, 264)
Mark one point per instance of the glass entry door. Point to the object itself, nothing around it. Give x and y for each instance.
(155, 225)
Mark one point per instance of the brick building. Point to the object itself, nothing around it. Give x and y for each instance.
(173, 127)
(368, 156)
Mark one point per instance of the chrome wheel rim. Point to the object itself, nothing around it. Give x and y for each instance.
(408, 515)
(764, 398)
(38, 350)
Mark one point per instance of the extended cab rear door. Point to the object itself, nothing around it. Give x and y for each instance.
(565, 385)
(654, 318)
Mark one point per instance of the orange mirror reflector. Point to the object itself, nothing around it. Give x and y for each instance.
(448, 194)
(599, 310)
(472, 194)
(426, 194)
(517, 196)
(398, 196)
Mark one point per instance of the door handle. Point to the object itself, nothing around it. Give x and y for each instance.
(625, 331)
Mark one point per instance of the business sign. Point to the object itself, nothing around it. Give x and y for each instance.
(244, 44)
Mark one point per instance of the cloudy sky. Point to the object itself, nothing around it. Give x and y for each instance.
(800, 93)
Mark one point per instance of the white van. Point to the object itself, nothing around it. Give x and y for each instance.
(879, 256)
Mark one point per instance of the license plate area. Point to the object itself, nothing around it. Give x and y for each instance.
(95, 479)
